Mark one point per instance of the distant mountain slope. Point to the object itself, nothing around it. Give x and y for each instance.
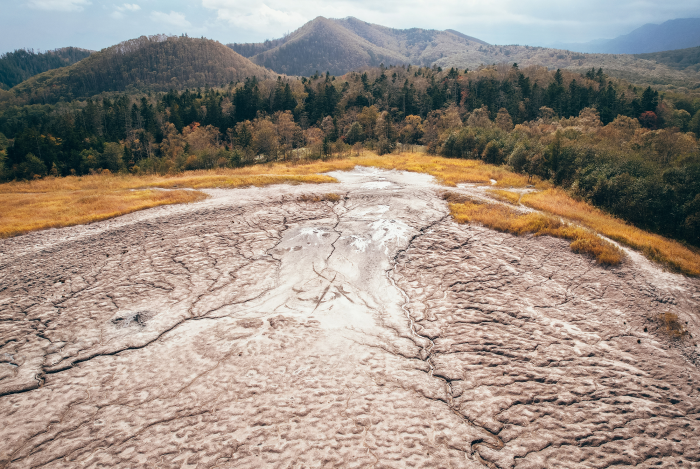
(342, 45)
(17, 66)
(681, 59)
(157, 63)
(680, 33)
(418, 46)
(324, 45)
(633, 68)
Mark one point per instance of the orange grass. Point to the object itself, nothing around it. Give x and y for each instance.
(24, 212)
(655, 247)
(189, 179)
(501, 218)
(505, 196)
(448, 171)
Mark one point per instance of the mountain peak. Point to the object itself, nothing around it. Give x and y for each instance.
(342, 45)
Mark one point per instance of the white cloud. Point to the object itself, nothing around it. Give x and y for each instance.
(119, 10)
(129, 7)
(58, 5)
(260, 17)
(173, 18)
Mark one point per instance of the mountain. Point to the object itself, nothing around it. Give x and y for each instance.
(17, 66)
(341, 45)
(680, 33)
(154, 63)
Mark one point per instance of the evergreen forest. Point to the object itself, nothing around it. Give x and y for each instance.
(17, 66)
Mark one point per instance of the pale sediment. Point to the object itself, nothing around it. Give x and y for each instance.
(257, 330)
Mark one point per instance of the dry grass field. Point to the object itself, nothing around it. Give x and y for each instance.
(23, 212)
(505, 196)
(56, 202)
(501, 218)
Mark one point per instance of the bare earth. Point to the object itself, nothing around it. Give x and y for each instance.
(256, 330)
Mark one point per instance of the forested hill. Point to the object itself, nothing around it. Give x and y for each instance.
(342, 45)
(681, 59)
(17, 66)
(154, 63)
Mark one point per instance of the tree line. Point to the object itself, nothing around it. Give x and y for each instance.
(626, 149)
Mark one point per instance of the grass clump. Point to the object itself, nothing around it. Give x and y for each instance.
(672, 326)
(331, 197)
(653, 246)
(505, 196)
(501, 218)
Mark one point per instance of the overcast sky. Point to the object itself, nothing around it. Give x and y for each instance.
(91, 24)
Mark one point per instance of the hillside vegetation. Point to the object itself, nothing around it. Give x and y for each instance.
(17, 66)
(682, 59)
(155, 63)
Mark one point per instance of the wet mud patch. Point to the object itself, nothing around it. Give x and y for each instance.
(133, 318)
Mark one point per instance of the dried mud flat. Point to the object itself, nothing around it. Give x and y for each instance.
(256, 329)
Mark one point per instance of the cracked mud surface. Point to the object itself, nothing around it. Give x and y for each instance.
(255, 330)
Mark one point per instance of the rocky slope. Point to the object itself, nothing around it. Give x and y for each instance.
(267, 328)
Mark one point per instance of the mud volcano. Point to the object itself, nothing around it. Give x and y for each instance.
(281, 327)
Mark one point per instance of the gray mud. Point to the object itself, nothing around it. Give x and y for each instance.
(255, 330)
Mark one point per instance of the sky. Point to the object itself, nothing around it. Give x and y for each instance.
(92, 24)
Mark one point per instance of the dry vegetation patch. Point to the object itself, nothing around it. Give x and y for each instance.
(24, 212)
(502, 218)
(655, 247)
(57, 202)
(331, 197)
(505, 196)
(672, 326)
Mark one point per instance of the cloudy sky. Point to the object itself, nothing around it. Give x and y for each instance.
(92, 24)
